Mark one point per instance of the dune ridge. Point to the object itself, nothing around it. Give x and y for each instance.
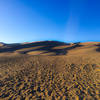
(50, 70)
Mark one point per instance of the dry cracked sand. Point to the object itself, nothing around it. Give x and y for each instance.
(50, 70)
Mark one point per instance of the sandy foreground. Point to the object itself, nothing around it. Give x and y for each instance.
(50, 72)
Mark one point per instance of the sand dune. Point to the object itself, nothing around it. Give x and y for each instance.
(50, 70)
(53, 47)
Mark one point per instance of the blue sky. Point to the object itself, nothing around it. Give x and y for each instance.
(37, 20)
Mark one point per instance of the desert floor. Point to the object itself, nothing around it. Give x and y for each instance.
(50, 71)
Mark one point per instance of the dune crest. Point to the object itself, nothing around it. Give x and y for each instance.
(50, 70)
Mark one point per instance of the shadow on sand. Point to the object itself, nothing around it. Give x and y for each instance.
(46, 46)
(98, 49)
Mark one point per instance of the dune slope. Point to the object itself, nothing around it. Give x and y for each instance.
(50, 70)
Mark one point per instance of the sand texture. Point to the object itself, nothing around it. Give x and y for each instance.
(50, 70)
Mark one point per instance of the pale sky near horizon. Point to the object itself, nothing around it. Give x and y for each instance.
(38, 20)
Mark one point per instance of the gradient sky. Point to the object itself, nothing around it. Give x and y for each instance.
(37, 20)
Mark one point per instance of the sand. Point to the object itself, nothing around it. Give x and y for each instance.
(50, 70)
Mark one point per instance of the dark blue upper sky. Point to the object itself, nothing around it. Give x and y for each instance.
(36, 20)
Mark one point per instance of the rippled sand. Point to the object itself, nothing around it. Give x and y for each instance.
(73, 76)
